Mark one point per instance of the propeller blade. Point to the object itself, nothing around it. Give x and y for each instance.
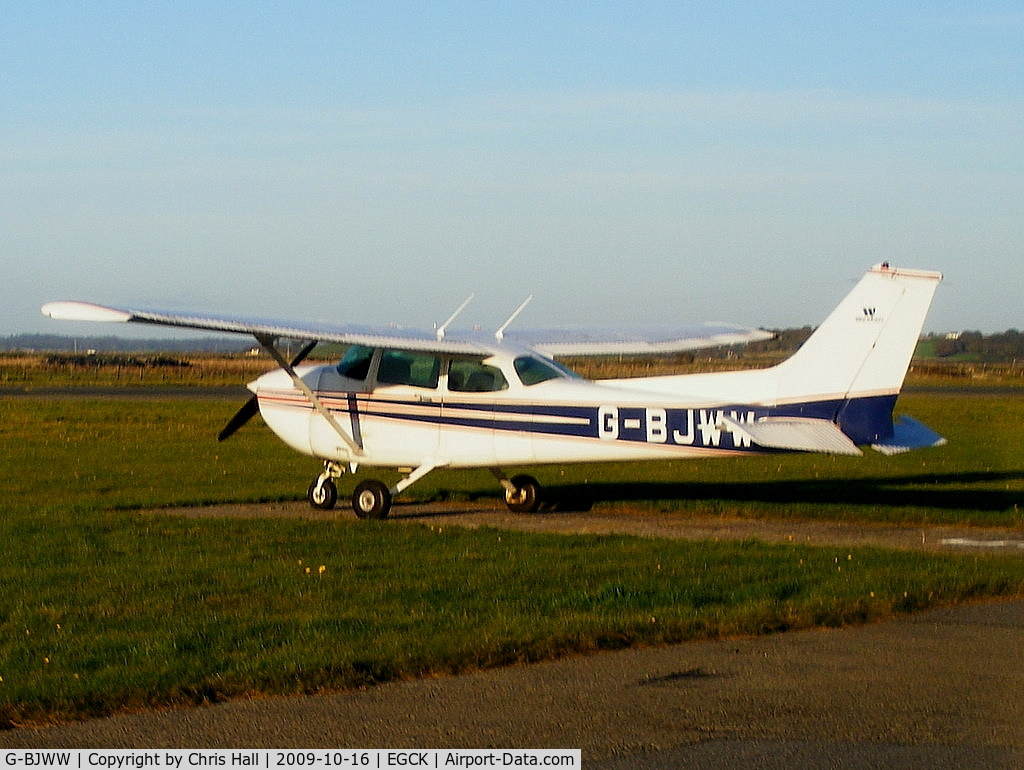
(242, 416)
(252, 407)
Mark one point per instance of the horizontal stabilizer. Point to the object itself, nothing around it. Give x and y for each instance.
(796, 433)
(909, 434)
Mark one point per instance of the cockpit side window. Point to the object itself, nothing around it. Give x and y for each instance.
(466, 376)
(355, 364)
(401, 367)
(532, 370)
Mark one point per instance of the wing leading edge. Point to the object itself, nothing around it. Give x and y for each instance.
(348, 334)
(552, 342)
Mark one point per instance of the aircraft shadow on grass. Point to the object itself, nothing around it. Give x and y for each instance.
(948, 491)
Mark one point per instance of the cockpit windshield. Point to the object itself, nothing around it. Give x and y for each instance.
(355, 364)
(532, 370)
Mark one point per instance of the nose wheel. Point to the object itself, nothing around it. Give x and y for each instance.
(323, 494)
(323, 491)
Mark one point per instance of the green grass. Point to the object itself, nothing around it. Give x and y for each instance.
(133, 453)
(105, 608)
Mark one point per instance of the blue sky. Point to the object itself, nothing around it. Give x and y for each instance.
(378, 162)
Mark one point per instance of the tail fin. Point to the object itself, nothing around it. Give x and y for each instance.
(864, 346)
(860, 355)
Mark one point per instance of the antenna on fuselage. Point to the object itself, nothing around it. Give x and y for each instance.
(441, 329)
(500, 334)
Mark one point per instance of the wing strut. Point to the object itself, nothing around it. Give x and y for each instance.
(267, 343)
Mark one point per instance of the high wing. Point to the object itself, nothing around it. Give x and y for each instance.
(553, 342)
(634, 341)
(348, 334)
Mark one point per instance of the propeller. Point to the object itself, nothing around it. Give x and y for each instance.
(252, 406)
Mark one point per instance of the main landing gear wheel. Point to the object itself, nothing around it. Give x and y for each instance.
(323, 494)
(525, 498)
(371, 500)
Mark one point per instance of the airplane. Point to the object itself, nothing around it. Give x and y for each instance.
(416, 401)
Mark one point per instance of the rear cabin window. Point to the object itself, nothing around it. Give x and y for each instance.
(475, 377)
(400, 367)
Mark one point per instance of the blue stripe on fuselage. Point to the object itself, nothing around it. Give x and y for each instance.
(864, 420)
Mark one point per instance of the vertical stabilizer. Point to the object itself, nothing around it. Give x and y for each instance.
(864, 347)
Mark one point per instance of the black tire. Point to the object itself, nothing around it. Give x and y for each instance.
(526, 497)
(371, 500)
(322, 496)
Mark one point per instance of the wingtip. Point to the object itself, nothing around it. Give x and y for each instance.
(83, 311)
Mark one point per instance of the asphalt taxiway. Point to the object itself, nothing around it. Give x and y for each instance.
(936, 689)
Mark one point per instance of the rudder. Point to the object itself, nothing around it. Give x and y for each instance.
(864, 347)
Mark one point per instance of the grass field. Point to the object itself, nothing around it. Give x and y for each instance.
(104, 608)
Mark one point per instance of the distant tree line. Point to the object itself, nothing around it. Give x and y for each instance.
(1003, 347)
(55, 343)
(100, 360)
(968, 346)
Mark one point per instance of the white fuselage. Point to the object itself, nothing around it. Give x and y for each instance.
(562, 419)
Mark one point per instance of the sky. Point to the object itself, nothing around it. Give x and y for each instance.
(377, 162)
